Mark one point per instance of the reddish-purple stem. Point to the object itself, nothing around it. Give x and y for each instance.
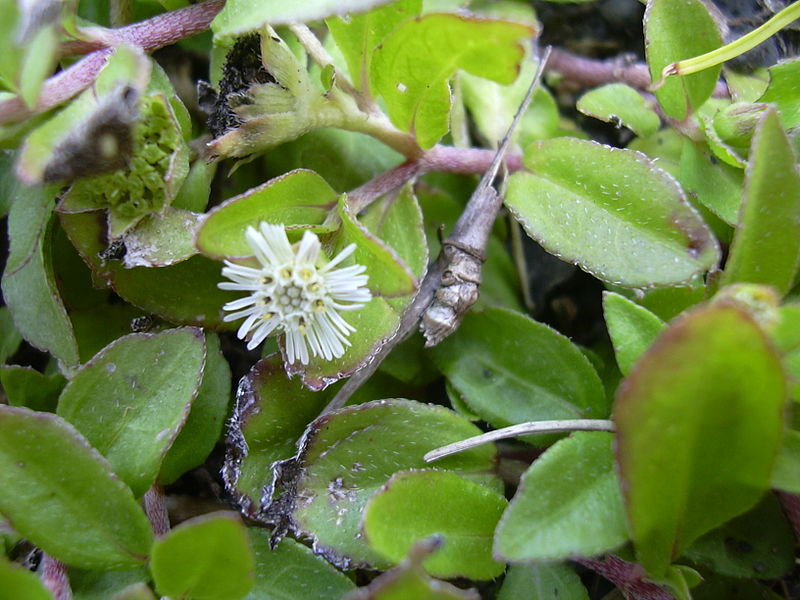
(629, 577)
(57, 89)
(592, 72)
(54, 576)
(152, 34)
(156, 509)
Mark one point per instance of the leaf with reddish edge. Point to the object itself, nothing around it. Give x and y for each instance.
(416, 504)
(58, 492)
(611, 211)
(185, 293)
(323, 489)
(299, 200)
(668, 40)
(391, 244)
(132, 398)
(271, 413)
(699, 423)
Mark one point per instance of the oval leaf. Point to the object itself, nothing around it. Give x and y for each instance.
(203, 427)
(185, 293)
(29, 288)
(414, 505)
(555, 581)
(58, 492)
(699, 424)
(552, 379)
(668, 40)
(569, 504)
(300, 199)
(206, 558)
(612, 212)
(271, 413)
(620, 104)
(340, 465)
(292, 569)
(19, 583)
(133, 397)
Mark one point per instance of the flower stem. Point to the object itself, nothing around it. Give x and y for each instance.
(531, 428)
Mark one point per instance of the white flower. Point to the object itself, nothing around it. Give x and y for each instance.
(295, 293)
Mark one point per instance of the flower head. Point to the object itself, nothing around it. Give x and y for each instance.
(295, 292)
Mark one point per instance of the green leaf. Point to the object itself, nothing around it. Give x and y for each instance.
(396, 219)
(568, 504)
(298, 200)
(552, 379)
(185, 293)
(242, 16)
(359, 35)
(202, 429)
(29, 288)
(10, 338)
(716, 185)
(729, 588)
(102, 585)
(340, 465)
(412, 66)
(782, 91)
(758, 544)
(27, 387)
(699, 423)
(769, 223)
(389, 276)
(196, 188)
(414, 505)
(18, 583)
(132, 398)
(41, 55)
(632, 328)
(58, 492)
(292, 569)
(160, 240)
(394, 266)
(206, 558)
(409, 580)
(137, 591)
(345, 159)
(786, 475)
(272, 412)
(722, 150)
(668, 40)
(612, 212)
(620, 104)
(554, 581)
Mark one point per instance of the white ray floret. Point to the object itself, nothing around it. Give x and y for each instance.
(295, 292)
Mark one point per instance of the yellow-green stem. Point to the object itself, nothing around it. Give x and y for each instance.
(734, 49)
